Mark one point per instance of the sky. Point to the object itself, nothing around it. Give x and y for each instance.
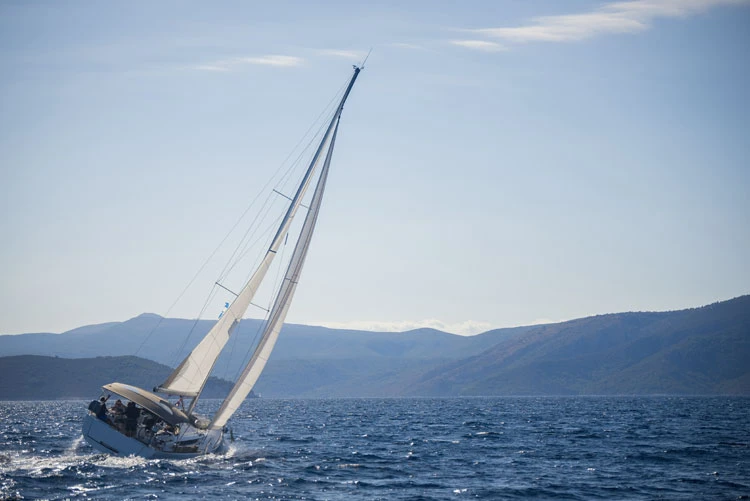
(500, 163)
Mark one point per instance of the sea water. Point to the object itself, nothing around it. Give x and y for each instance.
(458, 448)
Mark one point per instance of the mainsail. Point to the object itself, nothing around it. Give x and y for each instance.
(190, 376)
(267, 341)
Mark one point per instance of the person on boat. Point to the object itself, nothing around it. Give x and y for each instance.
(117, 415)
(149, 420)
(131, 418)
(94, 406)
(118, 408)
(101, 413)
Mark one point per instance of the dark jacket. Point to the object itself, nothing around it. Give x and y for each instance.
(102, 412)
(94, 406)
(132, 412)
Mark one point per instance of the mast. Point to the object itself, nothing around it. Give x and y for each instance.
(262, 352)
(190, 377)
(300, 189)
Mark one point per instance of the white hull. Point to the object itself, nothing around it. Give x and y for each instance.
(108, 439)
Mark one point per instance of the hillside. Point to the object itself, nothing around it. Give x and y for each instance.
(34, 377)
(694, 351)
(163, 340)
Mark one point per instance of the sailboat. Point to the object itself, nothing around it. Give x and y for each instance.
(150, 425)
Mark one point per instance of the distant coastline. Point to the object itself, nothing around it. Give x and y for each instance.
(697, 351)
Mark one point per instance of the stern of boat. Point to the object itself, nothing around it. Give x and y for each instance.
(103, 437)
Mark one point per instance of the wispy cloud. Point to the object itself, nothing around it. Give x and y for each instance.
(411, 46)
(482, 45)
(275, 60)
(235, 63)
(346, 54)
(467, 328)
(630, 16)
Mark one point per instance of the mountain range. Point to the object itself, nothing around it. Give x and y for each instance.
(702, 350)
(41, 378)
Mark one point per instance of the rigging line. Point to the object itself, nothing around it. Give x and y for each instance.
(281, 271)
(267, 233)
(251, 229)
(249, 240)
(226, 236)
(177, 354)
(289, 198)
(362, 66)
(258, 330)
(261, 326)
(226, 289)
(264, 238)
(251, 346)
(260, 307)
(279, 265)
(233, 259)
(326, 111)
(212, 293)
(253, 202)
(302, 152)
(314, 139)
(254, 228)
(249, 245)
(312, 125)
(278, 271)
(200, 270)
(275, 289)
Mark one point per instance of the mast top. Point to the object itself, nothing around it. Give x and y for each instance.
(362, 64)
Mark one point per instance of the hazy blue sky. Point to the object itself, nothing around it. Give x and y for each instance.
(500, 162)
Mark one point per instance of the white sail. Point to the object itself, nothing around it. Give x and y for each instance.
(191, 375)
(263, 351)
(193, 435)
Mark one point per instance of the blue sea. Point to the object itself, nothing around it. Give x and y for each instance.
(576, 448)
